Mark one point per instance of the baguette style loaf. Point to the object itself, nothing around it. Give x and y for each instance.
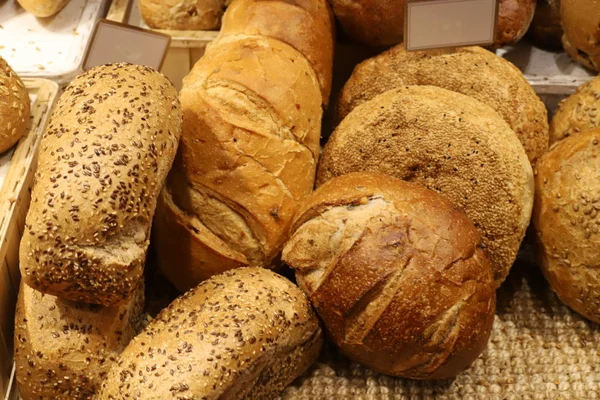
(14, 107)
(103, 160)
(244, 334)
(64, 349)
(43, 8)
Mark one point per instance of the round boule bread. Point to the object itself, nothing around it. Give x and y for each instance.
(244, 334)
(43, 8)
(183, 14)
(102, 162)
(580, 20)
(567, 223)
(63, 349)
(578, 112)
(514, 18)
(472, 71)
(396, 273)
(14, 107)
(450, 143)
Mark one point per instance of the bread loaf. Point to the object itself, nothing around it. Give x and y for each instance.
(63, 349)
(514, 18)
(182, 14)
(472, 71)
(450, 143)
(306, 25)
(43, 8)
(578, 112)
(252, 114)
(396, 273)
(545, 30)
(103, 160)
(244, 334)
(567, 223)
(14, 107)
(581, 39)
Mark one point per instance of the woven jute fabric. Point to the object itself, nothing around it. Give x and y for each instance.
(539, 349)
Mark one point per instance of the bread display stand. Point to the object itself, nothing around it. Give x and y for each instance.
(17, 168)
(50, 48)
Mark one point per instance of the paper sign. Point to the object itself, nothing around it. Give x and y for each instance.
(433, 24)
(114, 42)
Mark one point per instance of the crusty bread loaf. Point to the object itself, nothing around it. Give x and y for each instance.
(545, 30)
(306, 25)
(472, 71)
(396, 273)
(43, 8)
(14, 107)
(103, 160)
(580, 20)
(63, 349)
(567, 222)
(578, 112)
(244, 334)
(182, 14)
(450, 143)
(252, 114)
(514, 18)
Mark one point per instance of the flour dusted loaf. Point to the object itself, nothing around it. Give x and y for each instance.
(14, 107)
(43, 8)
(64, 349)
(396, 273)
(580, 20)
(472, 71)
(103, 160)
(183, 14)
(244, 334)
(450, 143)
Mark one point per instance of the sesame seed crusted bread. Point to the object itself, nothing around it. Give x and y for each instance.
(396, 273)
(43, 8)
(567, 223)
(183, 14)
(472, 71)
(244, 334)
(64, 349)
(450, 143)
(103, 160)
(14, 107)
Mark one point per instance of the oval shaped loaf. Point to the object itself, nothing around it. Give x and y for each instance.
(63, 349)
(450, 143)
(396, 274)
(182, 14)
(472, 71)
(43, 8)
(246, 333)
(103, 160)
(14, 107)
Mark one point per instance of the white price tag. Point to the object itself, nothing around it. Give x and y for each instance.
(433, 24)
(113, 42)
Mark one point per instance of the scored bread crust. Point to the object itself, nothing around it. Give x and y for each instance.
(63, 349)
(396, 274)
(43, 8)
(580, 20)
(103, 160)
(246, 333)
(450, 143)
(471, 71)
(14, 107)
(182, 14)
(567, 223)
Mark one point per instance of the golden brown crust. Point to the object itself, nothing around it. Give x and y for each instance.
(545, 30)
(581, 24)
(182, 14)
(63, 350)
(472, 71)
(450, 143)
(228, 338)
(395, 273)
(103, 160)
(567, 222)
(514, 18)
(14, 107)
(43, 8)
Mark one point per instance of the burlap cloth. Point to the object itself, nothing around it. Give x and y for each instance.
(539, 349)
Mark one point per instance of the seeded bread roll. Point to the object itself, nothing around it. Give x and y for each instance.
(43, 8)
(182, 14)
(567, 222)
(580, 20)
(63, 349)
(450, 143)
(244, 334)
(578, 112)
(472, 71)
(396, 273)
(545, 30)
(514, 18)
(14, 107)
(103, 160)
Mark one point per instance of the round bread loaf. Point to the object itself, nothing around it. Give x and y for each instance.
(578, 112)
(581, 24)
(514, 18)
(103, 160)
(545, 30)
(396, 273)
(450, 143)
(567, 222)
(63, 349)
(472, 71)
(244, 334)
(43, 8)
(14, 107)
(182, 14)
